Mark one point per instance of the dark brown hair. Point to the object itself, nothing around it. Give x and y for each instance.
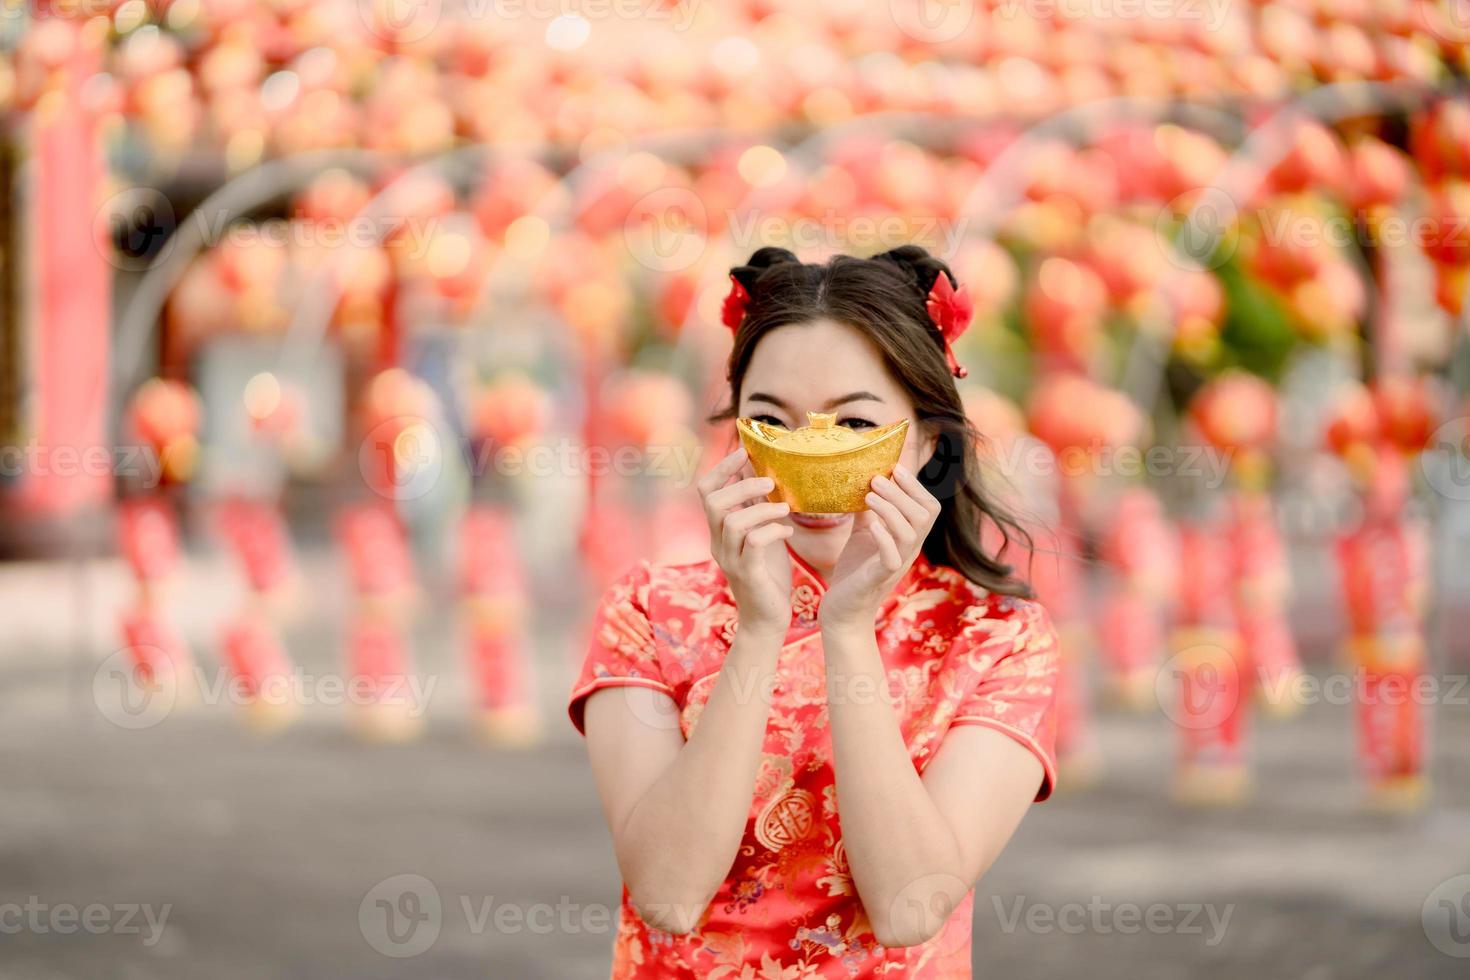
(884, 297)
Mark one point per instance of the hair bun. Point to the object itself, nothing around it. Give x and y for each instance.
(762, 259)
(916, 265)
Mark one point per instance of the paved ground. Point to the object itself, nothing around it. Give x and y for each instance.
(269, 854)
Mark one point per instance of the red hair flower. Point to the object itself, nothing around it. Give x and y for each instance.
(734, 309)
(951, 310)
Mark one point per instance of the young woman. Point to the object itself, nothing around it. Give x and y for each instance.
(811, 745)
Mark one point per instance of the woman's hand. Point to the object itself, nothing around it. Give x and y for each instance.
(885, 540)
(742, 528)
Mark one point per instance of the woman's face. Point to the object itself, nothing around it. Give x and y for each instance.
(824, 366)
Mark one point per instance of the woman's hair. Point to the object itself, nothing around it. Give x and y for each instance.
(885, 298)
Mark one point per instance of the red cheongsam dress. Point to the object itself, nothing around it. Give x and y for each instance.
(955, 655)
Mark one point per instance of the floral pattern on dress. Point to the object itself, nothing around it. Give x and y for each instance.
(954, 654)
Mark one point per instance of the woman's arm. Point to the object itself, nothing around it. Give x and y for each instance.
(677, 809)
(915, 845)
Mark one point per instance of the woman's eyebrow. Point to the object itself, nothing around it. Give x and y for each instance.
(856, 396)
(761, 396)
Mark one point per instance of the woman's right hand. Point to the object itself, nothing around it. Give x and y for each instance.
(742, 528)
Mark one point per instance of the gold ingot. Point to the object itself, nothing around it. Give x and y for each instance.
(822, 468)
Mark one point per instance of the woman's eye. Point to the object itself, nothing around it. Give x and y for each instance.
(857, 423)
(769, 420)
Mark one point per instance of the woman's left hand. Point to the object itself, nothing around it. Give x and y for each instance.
(885, 540)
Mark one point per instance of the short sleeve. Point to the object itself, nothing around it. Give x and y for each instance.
(1017, 694)
(621, 651)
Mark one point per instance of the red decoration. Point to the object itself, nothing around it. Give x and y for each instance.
(377, 550)
(488, 563)
(951, 310)
(378, 661)
(257, 659)
(498, 661)
(157, 648)
(148, 533)
(733, 310)
(1236, 412)
(1391, 722)
(256, 533)
(1210, 714)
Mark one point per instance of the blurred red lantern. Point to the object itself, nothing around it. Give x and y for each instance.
(229, 65)
(1236, 412)
(676, 297)
(1130, 258)
(1188, 160)
(1439, 139)
(166, 416)
(509, 411)
(1451, 282)
(1197, 302)
(987, 270)
(336, 195)
(1407, 411)
(647, 408)
(1378, 174)
(1292, 242)
(1330, 303)
(515, 188)
(1070, 412)
(394, 396)
(997, 419)
(412, 200)
(448, 254)
(1353, 424)
(1446, 236)
(1064, 307)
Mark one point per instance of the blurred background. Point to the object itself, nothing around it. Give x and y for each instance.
(349, 349)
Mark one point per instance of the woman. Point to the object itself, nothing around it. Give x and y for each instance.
(810, 746)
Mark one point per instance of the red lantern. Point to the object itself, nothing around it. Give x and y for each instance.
(1064, 307)
(509, 411)
(1378, 174)
(1446, 237)
(647, 408)
(166, 417)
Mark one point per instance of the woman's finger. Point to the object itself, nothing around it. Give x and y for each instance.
(721, 472)
(748, 517)
(892, 520)
(888, 551)
(737, 525)
(910, 484)
(762, 536)
(726, 499)
(912, 509)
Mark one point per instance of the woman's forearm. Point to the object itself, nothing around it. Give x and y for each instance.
(905, 858)
(681, 837)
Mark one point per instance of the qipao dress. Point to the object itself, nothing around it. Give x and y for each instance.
(955, 654)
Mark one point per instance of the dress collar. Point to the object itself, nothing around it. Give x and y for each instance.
(803, 573)
(808, 586)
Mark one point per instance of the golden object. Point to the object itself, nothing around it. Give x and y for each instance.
(822, 468)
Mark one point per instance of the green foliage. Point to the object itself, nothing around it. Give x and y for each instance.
(1257, 334)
